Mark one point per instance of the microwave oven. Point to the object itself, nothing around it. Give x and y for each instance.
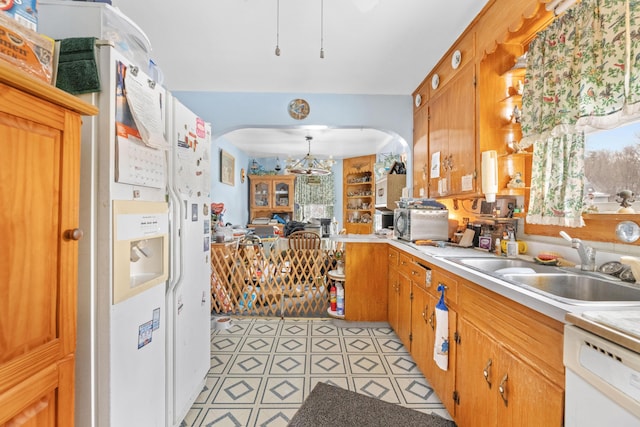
(421, 224)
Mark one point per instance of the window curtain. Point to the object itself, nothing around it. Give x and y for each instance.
(314, 197)
(582, 73)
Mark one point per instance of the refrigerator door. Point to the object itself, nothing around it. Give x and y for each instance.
(189, 290)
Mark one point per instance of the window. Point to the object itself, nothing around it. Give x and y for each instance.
(612, 164)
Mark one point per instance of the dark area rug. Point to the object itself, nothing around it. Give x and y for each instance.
(333, 406)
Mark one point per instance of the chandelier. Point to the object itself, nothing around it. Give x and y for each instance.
(309, 165)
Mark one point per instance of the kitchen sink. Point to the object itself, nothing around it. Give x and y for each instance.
(581, 287)
(568, 285)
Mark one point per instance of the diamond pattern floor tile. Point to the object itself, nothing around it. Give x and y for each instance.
(262, 369)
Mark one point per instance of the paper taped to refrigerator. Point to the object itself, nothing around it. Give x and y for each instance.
(147, 103)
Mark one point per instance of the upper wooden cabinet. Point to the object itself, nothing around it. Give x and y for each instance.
(358, 191)
(472, 93)
(271, 194)
(452, 137)
(39, 196)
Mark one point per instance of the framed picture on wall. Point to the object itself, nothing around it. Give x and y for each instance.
(227, 168)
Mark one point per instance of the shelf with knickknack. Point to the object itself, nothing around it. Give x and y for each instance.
(359, 194)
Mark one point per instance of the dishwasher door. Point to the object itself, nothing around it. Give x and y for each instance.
(602, 381)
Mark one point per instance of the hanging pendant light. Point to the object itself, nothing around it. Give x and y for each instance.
(277, 27)
(321, 29)
(309, 165)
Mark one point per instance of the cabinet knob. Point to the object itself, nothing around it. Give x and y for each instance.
(73, 234)
(433, 314)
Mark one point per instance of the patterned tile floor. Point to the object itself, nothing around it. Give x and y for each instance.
(262, 369)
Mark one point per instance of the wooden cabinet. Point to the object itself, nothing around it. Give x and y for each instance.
(517, 347)
(365, 289)
(271, 194)
(40, 175)
(399, 291)
(358, 194)
(498, 388)
(452, 136)
(509, 363)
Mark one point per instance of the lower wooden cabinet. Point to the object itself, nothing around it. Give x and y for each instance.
(505, 360)
(365, 288)
(495, 387)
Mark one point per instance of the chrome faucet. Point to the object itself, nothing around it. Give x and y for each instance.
(587, 253)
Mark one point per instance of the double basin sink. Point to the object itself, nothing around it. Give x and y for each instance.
(568, 285)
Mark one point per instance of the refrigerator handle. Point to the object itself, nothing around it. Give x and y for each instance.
(178, 212)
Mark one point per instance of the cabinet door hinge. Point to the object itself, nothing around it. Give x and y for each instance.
(411, 296)
(456, 337)
(456, 397)
(475, 174)
(475, 80)
(410, 337)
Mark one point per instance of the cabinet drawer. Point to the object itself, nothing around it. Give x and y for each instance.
(451, 283)
(404, 263)
(394, 256)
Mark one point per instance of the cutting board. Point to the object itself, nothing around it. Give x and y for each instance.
(627, 321)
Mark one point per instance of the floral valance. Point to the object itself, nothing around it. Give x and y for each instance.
(583, 71)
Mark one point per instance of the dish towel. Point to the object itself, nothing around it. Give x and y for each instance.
(77, 67)
(441, 343)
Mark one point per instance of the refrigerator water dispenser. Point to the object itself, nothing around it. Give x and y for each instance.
(140, 247)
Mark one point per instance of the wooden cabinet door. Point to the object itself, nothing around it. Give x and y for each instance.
(452, 135)
(462, 136)
(261, 197)
(283, 194)
(404, 310)
(439, 146)
(476, 355)
(527, 399)
(422, 331)
(392, 297)
(39, 175)
(420, 153)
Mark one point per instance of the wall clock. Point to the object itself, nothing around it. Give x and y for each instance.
(298, 109)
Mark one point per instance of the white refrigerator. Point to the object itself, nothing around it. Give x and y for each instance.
(143, 285)
(189, 291)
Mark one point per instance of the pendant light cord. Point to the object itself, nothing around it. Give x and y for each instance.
(322, 29)
(277, 27)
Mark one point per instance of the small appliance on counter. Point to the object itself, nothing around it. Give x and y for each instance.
(382, 219)
(425, 223)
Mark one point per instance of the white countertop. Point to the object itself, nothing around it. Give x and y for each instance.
(536, 301)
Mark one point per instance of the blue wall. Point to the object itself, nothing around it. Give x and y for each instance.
(228, 111)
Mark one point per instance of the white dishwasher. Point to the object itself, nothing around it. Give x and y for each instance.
(602, 381)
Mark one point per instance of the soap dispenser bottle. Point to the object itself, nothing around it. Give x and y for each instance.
(512, 246)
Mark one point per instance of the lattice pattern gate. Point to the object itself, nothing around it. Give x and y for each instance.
(249, 279)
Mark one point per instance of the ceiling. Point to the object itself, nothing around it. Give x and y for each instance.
(373, 47)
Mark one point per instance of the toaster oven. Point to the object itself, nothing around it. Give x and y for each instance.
(421, 224)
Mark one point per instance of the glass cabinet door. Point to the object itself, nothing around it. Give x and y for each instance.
(282, 193)
(261, 194)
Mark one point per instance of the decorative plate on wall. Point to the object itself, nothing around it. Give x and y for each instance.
(418, 100)
(456, 59)
(298, 109)
(435, 81)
